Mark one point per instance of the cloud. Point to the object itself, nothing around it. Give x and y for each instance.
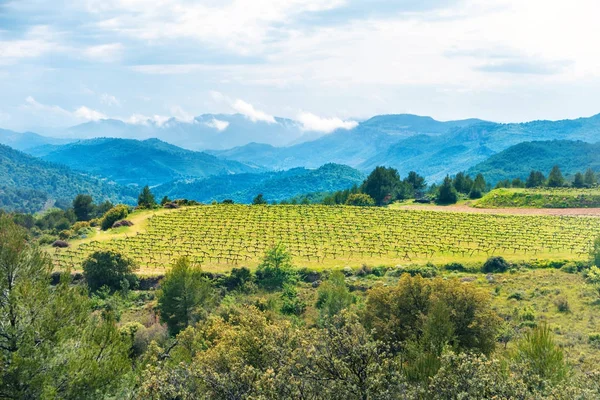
(104, 52)
(217, 124)
(524, 67)
(254, 115)
(109, 100)
(312, 122)
(140, 119)
(82, 113)
(36, 42)
(88, 114)
(180, 114)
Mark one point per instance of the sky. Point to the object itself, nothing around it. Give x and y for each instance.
(325, 63)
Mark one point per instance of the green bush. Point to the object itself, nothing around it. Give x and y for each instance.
(455, 267)
(113, 215)
(495, 264)
(360, 199)
(276, 269)
(110, 269)
(291, 303)
(516, 296)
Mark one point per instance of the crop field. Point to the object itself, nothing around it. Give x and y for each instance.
(219, 237)
(541, 198)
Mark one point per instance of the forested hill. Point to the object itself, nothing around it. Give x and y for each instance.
(30, 184)
(275, 186)
(147, 162)
(518, 161)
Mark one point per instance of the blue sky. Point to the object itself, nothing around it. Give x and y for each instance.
(326, 63)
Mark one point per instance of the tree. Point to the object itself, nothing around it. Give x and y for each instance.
(110, 269)
(447, 193)
(146, 198)
(113, 215)
(579, 180)
(276, 269)
(259, 200)
(478, 187)
(535, 179)
(416, 181)
(517, 183)
(590, 177)
(165, 200)
(360, 199)
(556, 179)
(461, 184)
(382, 185)
(51, 345)
(495, 264)
(83, 206)
(184, 293)
(333, 296)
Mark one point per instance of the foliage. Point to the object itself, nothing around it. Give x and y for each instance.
(51, 346)
(360, 199)
(291, 303)
(184, 293)
(556, 179)
(535, 179)
(382, 185)
(146, 198)
(110, 269)
(83, 207)
(113, 215)
(447, 193)
(595, 252)
(276, 269)
(333, 296)
(478, 187)
(541, 198)
(495, 264)
(259, 200)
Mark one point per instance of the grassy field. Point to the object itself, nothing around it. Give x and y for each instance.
(222, 236)
(541, 198)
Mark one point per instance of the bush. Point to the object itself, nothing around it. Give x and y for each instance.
(570, 268)
(360, 199)
(113, 215)
(562, 304)
(276, 269)
(455, 267)
(237, 278)
(594, 340)
(110, 269)
(333, 295)
(121, 223)
(516, 296)
(291, 303)
(495, 264)
(60, 244)
(46, 239)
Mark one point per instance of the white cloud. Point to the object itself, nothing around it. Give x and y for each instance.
(217, 124)
(104, 52)
(181, 115)
(88, 114)
(312, 122)
(109, 100)
(140, 119)
(38, 41)
(254, 115)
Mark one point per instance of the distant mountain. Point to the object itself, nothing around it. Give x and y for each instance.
(275, 186)
(27, 140)
(517, 161)
(148, 162)
(30, 184)
(408, 142)
(208, 131)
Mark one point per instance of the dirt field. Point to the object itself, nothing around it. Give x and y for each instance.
(593, 212)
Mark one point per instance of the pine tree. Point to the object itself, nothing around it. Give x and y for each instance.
(578, 181)
(590, 177)
(447, 193)
(556, 179)
(146, 198)
(478, 187)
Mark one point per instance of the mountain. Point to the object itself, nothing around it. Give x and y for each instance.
(275, 186)
(207, 131)
(30, 184)
(147, 162)
(517, 161)
(408, 142)
(27, 140)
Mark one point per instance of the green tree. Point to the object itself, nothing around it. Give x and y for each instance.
(113, 215)
(447, 193)
(110, 269)
(462, 183)
(517, 183)
(578, 180)
(259, 200)
(478, 187)
(416, 181)
(184, 293)
(146, 198)
(556, 179)
(590, 177)
(382, 185)
(83, 206)
(535, 179)
(51, 344)
(360, 199)
(165, 200)
(276, 269)
(333, 295)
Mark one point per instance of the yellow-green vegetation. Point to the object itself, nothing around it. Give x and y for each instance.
(221, 236)
(541, 198)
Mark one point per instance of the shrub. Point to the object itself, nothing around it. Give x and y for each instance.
(562, 304)
(454, 267)
(46, 239)
(516, 296)
(333, 295)
(110, 269)
(360, 199)
(594, 340)
(237, 278)
(495, 264)
(60, 244)
(66, 234)
(113, 215)
(570, 268)
(291, 303)
(123, 222)
(276, 269)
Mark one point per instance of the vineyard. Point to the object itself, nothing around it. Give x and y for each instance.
(221, 236)
(541, 198)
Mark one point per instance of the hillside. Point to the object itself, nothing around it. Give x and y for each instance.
(422, 144)
(148, 162)
(517, 161)
(28, 183)
(275, 186)
(27, 140)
